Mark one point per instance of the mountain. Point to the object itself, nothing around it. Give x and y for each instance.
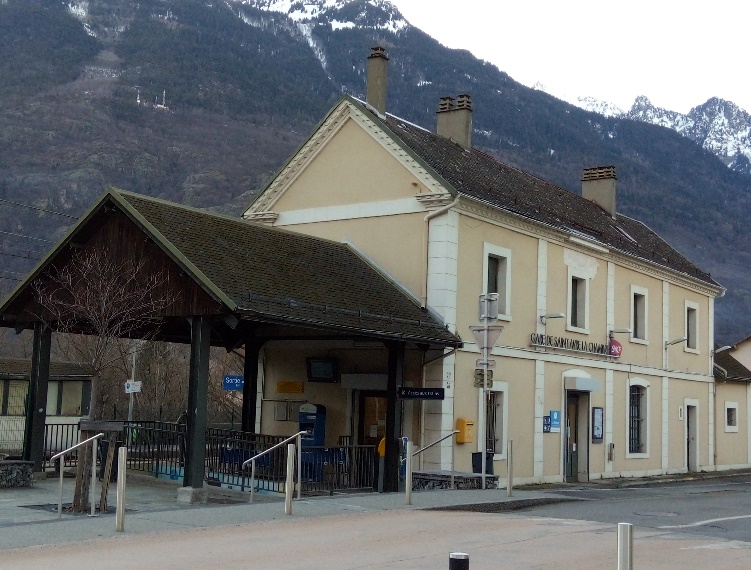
(200, 101)
(719, 126)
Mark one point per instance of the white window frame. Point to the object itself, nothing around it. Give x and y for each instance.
(645, 407)
(731, 428)
(576, 274)
(497, 387)
(504, 297)
(643, 291)
(695, 307)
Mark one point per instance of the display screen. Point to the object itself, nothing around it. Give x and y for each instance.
(322, 370)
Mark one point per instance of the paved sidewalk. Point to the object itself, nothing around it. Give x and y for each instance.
(152, 507)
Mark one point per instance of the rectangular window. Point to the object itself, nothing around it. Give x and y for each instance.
(494, 417)
(638, 313)
(17, 390)
(578, 308)
(70, 401)
(731, 417)
(497, 267)
(636, 419)
(692, 330)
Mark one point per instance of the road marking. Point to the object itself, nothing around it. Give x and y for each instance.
(709, 521)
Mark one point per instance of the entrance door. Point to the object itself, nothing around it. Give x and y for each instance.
(692, 449)
(576, 464)
(372, 414)
(572, 432)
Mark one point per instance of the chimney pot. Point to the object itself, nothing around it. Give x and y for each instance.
(454, 119)
(377, 75)
(599, 186)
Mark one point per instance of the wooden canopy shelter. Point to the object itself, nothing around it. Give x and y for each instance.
(231, 283)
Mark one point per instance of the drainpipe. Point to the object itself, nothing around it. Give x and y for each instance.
(425, 239)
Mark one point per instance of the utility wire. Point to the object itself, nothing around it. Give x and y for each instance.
(21, 256)
(37, 208)
(26, 237)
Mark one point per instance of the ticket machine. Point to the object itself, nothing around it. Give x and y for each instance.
(312, 419)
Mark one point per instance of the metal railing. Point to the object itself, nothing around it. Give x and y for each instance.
(59, 436)
(343, 467)
(256, 457)
(409, 454)
(155, 447)
(93, 471)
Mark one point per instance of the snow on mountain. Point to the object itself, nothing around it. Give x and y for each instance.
(331, 11)
(719, 126)
(587, 103)
(339, 14)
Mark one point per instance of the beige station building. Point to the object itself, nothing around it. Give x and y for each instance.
(604, 367)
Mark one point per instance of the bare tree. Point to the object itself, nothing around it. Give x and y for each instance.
(106, 300)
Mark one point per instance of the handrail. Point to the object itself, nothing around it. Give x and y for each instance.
(435, 442)
(408, 461)
(77, 445)
(93, 471)
(253, 459)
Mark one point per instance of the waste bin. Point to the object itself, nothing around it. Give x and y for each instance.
(102, 450)
(477, 462)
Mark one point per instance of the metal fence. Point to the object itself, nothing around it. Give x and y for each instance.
(341, 468)
(155, 447)
(158, 448)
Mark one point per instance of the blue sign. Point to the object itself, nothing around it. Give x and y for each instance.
(555, 421)
(545, 424)
(233, 382)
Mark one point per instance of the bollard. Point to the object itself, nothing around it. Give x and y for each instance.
(408, 475)
(625, 547)
(120, 509)
(458, 561)
(289, 485)
(510, 468)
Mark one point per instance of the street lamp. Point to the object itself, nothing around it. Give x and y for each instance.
(670, 343)
(544, 318)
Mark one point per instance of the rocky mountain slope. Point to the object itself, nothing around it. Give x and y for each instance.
(718, 126)
(199, 101)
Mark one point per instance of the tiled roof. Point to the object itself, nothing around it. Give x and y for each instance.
(276, 275)
(735, 370)
(477, 175)
(11, 368)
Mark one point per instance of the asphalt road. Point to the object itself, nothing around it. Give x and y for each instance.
(677, 525)
(719, 508)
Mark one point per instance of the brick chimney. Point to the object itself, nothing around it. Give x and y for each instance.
(376, 88)
(454, 119)
(598, 185)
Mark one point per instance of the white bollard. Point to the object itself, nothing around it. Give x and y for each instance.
(120, 509)
(625, 547)
(289, 485)
(92, 490)
(408, 474)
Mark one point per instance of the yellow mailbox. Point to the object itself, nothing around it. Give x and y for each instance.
(466, 430)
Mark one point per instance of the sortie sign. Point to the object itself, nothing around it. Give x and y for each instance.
(420, 393)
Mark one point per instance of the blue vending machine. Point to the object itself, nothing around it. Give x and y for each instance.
(312, 419)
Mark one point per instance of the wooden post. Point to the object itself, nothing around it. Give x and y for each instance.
(250, 385)
(195, 452)
(36, 408)
(393, 417)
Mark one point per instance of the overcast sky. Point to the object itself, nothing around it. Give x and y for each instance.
(679, 54)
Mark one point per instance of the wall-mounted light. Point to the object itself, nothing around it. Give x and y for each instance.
(721, 349)
(675, 341)
(611, 332)
(544, 318)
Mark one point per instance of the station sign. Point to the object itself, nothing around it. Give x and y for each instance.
(233, 382)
